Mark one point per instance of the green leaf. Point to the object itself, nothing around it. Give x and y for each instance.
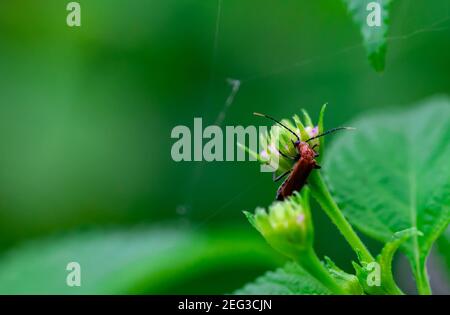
(384, 259)
(374, 37)
(156, 260)
(394, 174)
(291, 279)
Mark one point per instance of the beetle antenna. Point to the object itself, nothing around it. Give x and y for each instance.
(271, 118)
(330, 131)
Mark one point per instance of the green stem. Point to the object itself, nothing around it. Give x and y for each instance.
(312, 264)
(321, 193)
(423, 283)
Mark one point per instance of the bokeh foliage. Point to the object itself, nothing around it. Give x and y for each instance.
(86, 114)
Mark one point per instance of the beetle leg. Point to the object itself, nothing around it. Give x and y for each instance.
(277, 178)
(317, 167)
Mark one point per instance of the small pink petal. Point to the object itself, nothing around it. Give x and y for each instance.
(300, 218)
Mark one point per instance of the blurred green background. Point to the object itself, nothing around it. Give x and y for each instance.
(86, 113)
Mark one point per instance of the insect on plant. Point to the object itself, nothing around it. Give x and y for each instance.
(304, 161)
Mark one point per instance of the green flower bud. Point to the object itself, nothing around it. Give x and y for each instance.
(287, 225)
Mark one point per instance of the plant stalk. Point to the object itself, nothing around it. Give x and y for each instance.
(320, 192)
(423, 283)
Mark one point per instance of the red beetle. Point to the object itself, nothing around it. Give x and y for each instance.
(305, 161)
